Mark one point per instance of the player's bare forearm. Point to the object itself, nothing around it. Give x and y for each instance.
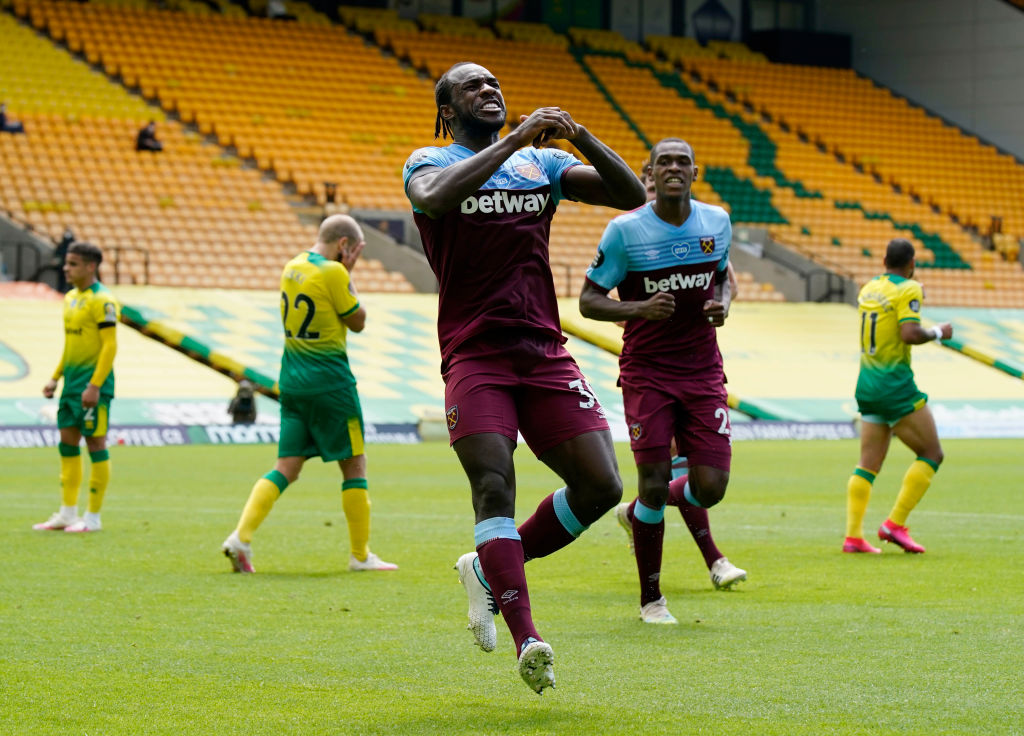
(437, 191)
(913, 333)
(599, 306)
(723, 295)
(610, 182)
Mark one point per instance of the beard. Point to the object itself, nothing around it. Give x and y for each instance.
(474, 127)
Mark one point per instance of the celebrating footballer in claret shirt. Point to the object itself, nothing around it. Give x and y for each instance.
(483, 206)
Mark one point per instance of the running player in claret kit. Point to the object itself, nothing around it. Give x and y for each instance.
(320, 410)
(889, 401)
(724, 575)
(483, 206)
(87, 365)
(669, 260)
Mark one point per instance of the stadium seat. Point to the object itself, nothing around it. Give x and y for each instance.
(77, 165)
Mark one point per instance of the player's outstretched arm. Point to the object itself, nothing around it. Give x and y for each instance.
(607, 181)
(913, 333)
(596, 304)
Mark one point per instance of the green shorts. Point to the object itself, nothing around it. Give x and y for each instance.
(329, 425)
(92, 422)
(892, 410)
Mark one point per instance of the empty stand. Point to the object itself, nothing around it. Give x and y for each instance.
(312, 103)
(883, 133)
(191, 215)
(838, 214)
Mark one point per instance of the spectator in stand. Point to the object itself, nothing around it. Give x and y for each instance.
(147, 141)
(6, 124)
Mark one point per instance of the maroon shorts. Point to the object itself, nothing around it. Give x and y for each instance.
(694, 412)
(519, 382)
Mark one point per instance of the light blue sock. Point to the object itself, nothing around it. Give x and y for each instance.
(565, 515)
(647, 515)
(688, 494)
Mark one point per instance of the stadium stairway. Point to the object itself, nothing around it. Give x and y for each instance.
(193, 214)
(769, 176)
(831, 112)
(520, 56)
(865, 122)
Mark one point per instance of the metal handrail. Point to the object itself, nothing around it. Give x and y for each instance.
(117, 250)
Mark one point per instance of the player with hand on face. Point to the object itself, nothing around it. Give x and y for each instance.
(669, 260)
(483, 206)
(888, 398)
(320, 410)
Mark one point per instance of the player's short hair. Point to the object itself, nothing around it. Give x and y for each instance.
(89, 252)
(899, 253)
(654, 148)
(443, 96)
(338, 226)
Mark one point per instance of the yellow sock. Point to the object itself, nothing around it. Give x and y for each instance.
(99, 477)
(70, 473)
(355, 500)
(261, 499)
(915, 483)
(858, 493)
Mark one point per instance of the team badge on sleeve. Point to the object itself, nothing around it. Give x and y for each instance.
(915, 305)
(598, 259)
(707, 244)
(452, 415)
(636, 431)
(110, 312)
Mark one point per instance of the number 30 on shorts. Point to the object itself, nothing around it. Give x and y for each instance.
(581, 385)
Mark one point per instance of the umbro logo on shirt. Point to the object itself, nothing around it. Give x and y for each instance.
(501, 201)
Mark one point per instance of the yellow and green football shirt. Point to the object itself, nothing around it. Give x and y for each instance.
(86, 312)
(316, 294)
(885, 384)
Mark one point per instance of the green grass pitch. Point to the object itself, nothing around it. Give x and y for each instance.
(142, 629)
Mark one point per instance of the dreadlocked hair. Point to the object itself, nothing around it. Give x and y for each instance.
(443, 96)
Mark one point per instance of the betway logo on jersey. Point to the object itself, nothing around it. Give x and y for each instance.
(677, 281)
(501, 201)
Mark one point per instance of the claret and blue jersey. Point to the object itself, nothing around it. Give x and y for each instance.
(641, 254)
(494, 277)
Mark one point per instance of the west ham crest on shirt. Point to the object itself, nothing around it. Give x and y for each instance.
(636, 431)
(707, 244)
(452, 415)
(530, 171)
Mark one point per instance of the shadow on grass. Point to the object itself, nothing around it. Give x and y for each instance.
(301, 574)
(534, 715)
